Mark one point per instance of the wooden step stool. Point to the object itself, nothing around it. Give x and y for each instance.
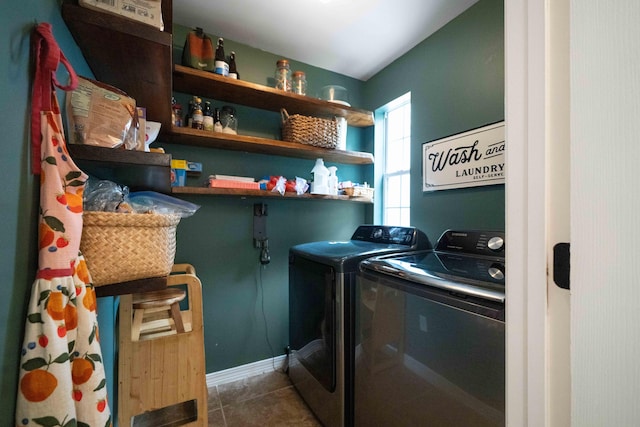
(157, 313)
(161, 365)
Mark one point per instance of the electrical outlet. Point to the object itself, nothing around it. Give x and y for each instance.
(423, 323)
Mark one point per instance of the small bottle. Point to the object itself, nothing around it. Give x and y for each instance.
(207, 117)
(283, 75)
(220, 65)
(228, 120)
(233, 69)
(173, 111)
(299, 83)
(217, 126)
(177, 108)
(197, 117)
(332, 181)
(188, 118)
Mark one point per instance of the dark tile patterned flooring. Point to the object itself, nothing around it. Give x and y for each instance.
(262, 401)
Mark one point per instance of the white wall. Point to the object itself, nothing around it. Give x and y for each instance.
(605, 200)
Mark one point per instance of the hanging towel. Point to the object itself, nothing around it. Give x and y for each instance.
(62, 378)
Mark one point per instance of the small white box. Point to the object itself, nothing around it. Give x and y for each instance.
(146, 11)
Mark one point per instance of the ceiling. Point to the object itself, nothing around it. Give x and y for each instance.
(356, 38)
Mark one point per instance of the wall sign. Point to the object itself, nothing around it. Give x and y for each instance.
(468, 159)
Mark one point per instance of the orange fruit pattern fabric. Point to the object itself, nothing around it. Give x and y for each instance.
(62, 378)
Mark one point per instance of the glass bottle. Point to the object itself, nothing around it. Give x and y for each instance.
(283, 75)
(229, 120)
(197, 117)
(233, 69)
(189, 116)
(173, 111)
(220, 65)
(177, 112)
(207, 117)
(299, 83)
(217, 126)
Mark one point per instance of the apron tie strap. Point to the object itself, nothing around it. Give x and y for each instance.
(47, 58)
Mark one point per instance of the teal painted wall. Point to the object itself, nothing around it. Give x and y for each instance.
(456, 80)
(19, 205)
(218, 240)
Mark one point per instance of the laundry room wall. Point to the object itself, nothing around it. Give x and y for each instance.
(456, 80)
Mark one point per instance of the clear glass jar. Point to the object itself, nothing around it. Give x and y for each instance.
(228, 120)
(283, 75)
(299, 83)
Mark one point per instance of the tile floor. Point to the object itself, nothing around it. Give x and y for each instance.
(262, 401)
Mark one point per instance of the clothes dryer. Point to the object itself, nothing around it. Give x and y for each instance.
(322, 314)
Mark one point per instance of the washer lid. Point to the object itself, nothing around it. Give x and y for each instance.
(366, 242)
(481, 277)
(345, 255)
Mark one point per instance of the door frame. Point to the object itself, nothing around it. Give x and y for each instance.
(526, 208)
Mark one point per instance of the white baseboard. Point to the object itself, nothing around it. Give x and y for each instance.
(245, 371)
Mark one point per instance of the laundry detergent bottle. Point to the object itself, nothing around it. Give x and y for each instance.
(320, 184)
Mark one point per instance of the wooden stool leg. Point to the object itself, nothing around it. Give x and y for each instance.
(137, 324)
(177, 317)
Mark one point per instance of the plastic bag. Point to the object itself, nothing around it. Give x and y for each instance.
(101, 115)
(105, 196)
(301, 186)
(280, 186)
(152, 202)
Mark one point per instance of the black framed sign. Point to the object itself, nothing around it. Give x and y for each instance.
(469, 159)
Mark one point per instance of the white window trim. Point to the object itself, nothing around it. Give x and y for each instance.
(381, 147)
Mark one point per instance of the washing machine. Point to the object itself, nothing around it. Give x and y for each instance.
(431, 335)
(321, 347)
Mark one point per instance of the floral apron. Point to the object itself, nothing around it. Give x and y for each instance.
(62, 378)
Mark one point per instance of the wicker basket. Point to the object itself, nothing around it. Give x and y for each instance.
(309, 130)
(120, 247)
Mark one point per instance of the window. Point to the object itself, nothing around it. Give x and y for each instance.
(396, 165)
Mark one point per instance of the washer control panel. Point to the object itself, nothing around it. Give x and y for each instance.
(474, 242)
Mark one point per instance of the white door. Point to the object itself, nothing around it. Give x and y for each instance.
(603, 105)
(605, 200)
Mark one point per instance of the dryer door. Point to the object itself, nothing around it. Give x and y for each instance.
(312, 318)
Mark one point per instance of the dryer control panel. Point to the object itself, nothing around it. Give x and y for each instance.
(408, 236)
